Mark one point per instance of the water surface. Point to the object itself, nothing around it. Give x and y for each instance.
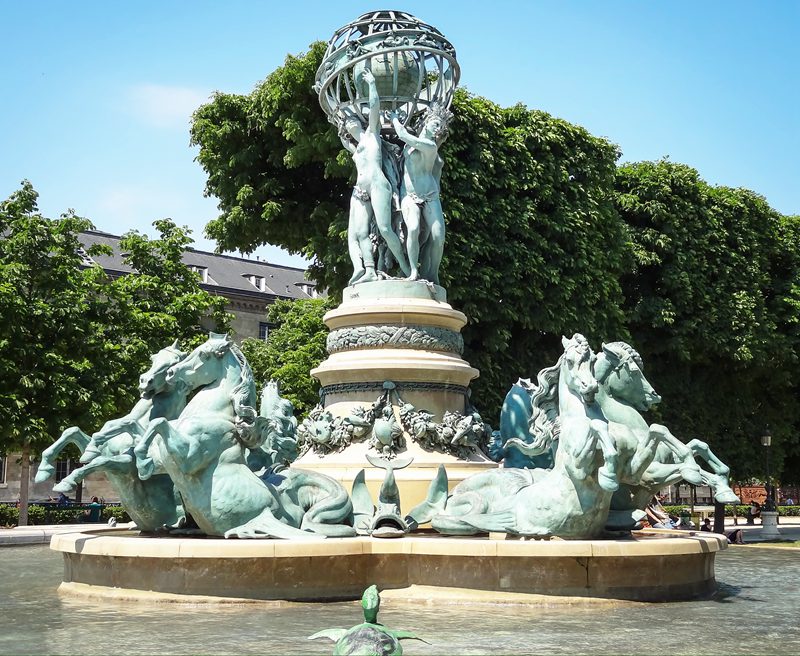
(755, 611)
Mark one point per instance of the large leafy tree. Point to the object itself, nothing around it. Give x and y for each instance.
(73, 342)
(533, 249)
(296, 345)
(711, 303)
(546, 236)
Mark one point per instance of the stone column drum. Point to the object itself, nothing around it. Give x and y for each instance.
(404, 333)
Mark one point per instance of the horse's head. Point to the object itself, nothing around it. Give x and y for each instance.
(202, 366)
(619, 370)
(576, 367)
(154, 380)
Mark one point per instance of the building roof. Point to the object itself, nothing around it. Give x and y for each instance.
(224, 274)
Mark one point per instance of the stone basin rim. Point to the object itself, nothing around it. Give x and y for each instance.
(650, 567)
(128, 542)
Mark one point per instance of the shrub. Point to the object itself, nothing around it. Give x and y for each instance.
(117, 512)
(9, 515)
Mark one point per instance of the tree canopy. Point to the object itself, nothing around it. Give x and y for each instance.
(546, 235)
(73, 343)
(711, 306)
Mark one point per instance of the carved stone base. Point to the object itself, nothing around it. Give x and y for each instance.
(394, 343)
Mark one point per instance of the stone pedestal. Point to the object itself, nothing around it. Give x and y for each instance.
(404, 333)
(769, 525)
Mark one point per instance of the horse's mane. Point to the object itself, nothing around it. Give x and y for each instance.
(544, 426)
(244, 401)
(623, 349)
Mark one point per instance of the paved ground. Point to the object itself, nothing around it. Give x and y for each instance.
(789, 528)
(41, 534)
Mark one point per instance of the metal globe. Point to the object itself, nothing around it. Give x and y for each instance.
(413, 63)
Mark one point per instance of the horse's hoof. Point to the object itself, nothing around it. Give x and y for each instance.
(90, 454)
(44, 472)
(726, 496)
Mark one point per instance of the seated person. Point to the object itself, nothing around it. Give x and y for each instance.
(657, 516)
(735, 536)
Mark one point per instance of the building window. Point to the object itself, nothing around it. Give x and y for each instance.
(259, 282)
(263, 331)
(2, 470)
(201, 271)
(85, 259)
(308, 288)
(64, 467)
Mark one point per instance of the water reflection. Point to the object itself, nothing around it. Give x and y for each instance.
(753, 612)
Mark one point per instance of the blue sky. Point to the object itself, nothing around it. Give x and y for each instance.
(96, 96)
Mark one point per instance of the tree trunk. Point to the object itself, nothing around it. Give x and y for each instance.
(719, 517)
(24, 480)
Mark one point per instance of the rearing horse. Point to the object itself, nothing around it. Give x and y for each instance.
(570, 500)
(204, 453)
(151, 504)
(650, 455)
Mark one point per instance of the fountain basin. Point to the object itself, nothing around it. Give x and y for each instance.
(653, 566)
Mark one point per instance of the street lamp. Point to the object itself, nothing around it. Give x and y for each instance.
(766, 441)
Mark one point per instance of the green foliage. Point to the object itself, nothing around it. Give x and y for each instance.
(73, 343)
(541, 254)
(711, 304)
(53, 346)
(162, 302)
(295, 346)
(41, 515)
(9, 516)
(271, 159)
(740, 510)
(117, 512)
(545, 236)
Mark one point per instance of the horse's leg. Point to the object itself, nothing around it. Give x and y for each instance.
(187, 452)
(644, 455)
(73, 435)
(690, 470)
(69, 483)
(607, 475)
(718, 480)
(144, 462)
(700, 448)
(110, 430)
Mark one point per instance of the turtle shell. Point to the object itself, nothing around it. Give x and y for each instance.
(368, 640)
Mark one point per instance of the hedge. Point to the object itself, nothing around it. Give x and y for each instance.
(39, 515)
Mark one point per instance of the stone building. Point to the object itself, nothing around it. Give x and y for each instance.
(249, 286)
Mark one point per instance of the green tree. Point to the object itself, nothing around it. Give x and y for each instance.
(73, 343)
(539, 255)
(295, 346)
(711, 305)
(53, 350)
(162, 302)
